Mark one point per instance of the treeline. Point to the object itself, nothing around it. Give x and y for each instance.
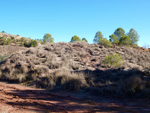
(119, 37)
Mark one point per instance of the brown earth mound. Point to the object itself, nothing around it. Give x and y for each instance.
(74, 66)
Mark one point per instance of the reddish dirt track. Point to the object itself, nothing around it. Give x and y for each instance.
(20, 99)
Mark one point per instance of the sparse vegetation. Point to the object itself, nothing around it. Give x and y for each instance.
(80, 66)
(118, 38)
(103, 68)
(21, 41)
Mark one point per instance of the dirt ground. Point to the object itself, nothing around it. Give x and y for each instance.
(20, 99)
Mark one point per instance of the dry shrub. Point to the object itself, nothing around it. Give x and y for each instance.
(40, 71)
(148, 84)
(132, 85)
(63, 78)
(70, 81)
(19, 77)
(146, 91)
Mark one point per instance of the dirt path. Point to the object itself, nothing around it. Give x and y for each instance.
(20, 99)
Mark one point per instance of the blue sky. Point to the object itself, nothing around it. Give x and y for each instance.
(66, 18)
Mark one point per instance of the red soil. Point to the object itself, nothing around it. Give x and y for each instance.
(20, 99)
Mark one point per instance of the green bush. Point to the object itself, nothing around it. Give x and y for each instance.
(114, 60)
(22, 44)
(32, 43)
(26, 43)
(75, 38)
(4, 42)
(9, 40)
(84, 39)
(22, 39)
(12, 38)
(106, 42)
(125, 40)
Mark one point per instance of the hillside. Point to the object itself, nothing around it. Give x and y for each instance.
(10, 49)
(79, 65)
(13, 43)
(17, 37)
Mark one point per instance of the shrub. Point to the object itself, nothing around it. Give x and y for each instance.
(133, 85)
(32, 43)
(27, 44)
(106, 42)
(22, 44)
(9, 41)
(12, 38)
(22, 39)
(75, 38)
(68, 80)
(4, 42)
(125, 40)
(84, 39)
(114, 60)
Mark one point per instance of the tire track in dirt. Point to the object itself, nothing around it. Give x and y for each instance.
(20, 99)
(9, 97)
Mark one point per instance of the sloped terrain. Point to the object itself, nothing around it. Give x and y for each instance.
(80, 56)
(10, 49)
(75, 66)
(6, 35)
